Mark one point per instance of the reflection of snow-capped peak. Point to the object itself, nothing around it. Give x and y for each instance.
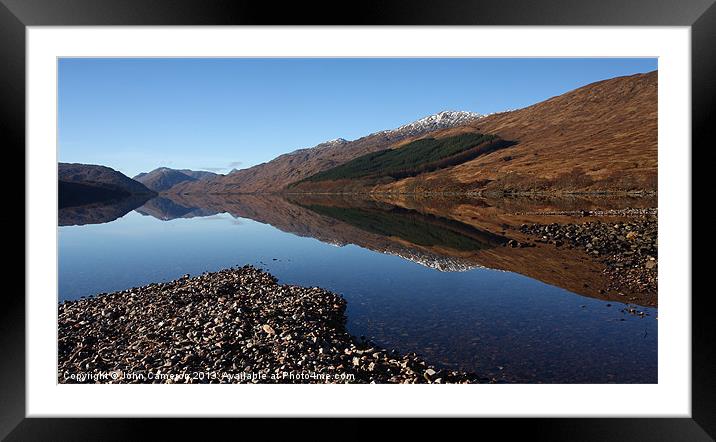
(424, 258)
(434, 261)
(335, 243)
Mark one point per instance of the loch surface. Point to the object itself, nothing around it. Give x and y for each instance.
(414, 282)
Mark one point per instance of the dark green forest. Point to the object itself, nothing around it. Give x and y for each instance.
(417, 157)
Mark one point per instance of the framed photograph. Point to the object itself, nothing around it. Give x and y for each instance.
(450, 212)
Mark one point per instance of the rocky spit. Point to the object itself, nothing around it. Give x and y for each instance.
(628, 249)
(233, 326)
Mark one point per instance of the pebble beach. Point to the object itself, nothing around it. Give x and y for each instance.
(237, 325)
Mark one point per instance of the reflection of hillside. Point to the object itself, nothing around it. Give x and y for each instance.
(443, 233)
(167, 209)
(99, 213)
(298, 220)
(563, 267)
(413, 227)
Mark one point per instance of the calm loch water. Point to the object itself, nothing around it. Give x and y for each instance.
(413, 281)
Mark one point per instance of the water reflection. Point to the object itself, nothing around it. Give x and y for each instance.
(448, 234)
(166, 209)
(100, 212)
(471, 303)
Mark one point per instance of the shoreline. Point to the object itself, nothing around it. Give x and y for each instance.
(236, 325)
(627, 249)
(473, 194)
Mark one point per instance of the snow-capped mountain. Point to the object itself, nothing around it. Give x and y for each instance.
(334, 142)
(299, 164)
(441, 120)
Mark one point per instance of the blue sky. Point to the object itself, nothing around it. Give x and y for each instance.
(135, 115)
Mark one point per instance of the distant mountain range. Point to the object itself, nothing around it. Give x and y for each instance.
(164, 178)
(599, 138)
(80, 184)
(299, 164)
(89, 184)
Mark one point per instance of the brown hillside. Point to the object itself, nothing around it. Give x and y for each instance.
(602, 136)
(283, 170)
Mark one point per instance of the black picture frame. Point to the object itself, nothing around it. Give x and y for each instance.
(16, 15)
